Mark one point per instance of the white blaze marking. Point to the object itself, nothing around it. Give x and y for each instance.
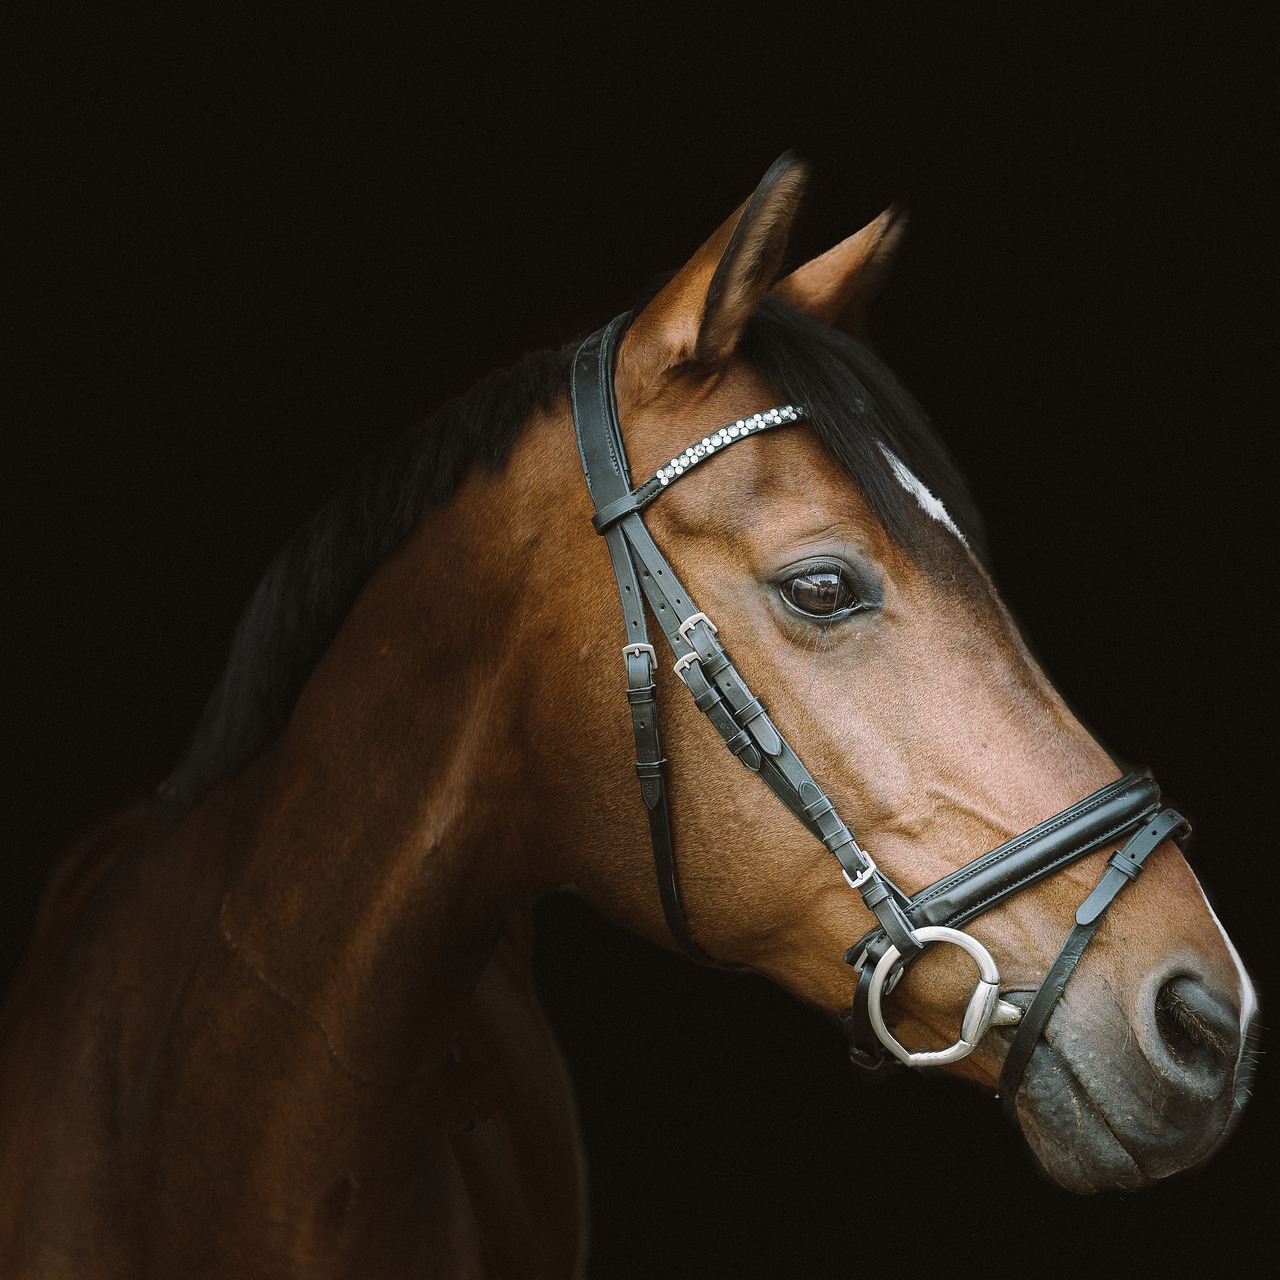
(930, 505)
(1248, 996)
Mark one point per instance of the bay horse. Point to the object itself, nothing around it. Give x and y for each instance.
(279, 1019)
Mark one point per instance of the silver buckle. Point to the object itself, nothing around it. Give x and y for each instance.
(864, 875)
(684, 628)
(681, 665)
(985, 1008)
(638, 649)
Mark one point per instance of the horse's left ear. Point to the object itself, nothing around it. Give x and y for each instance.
(700, 314)
(839, 287)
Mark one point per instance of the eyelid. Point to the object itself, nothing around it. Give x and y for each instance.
(819, 564)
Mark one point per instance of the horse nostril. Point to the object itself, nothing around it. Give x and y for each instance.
(1200, 1029)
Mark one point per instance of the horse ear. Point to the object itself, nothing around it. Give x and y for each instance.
(839, 287)
(701, 313)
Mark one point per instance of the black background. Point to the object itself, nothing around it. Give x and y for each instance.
(254, 244)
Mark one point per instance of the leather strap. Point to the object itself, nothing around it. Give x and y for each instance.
(1106, 815)
(604, 464)
(1123, 867)
(701, 661)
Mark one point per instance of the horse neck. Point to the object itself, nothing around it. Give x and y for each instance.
(398, 831)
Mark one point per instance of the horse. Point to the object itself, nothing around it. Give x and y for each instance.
(278, 1018)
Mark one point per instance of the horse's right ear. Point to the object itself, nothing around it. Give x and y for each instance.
(700, 314)
(839, 287)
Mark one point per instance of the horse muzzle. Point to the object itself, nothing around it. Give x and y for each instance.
(1161, 1102)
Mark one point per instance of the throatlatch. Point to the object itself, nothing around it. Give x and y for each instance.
(905, 926)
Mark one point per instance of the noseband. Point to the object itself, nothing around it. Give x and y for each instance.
(905, 926)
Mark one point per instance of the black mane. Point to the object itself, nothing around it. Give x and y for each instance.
(310, 586)
(852, 400)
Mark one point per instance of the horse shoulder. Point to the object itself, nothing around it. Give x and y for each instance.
(122, 920)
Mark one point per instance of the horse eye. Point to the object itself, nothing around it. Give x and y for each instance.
(822, 594)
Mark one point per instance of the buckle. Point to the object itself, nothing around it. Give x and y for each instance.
(638, 649)
(864, 875)
(681, 665)
(689, 623)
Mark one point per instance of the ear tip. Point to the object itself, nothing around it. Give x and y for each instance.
(889, 228)
(788, 158)
(790, 164)
(896, 216)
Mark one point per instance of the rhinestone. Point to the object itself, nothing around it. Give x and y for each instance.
(706, 439)
(733, 432)
(663, 477)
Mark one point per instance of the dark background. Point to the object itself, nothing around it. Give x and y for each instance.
(254, 244)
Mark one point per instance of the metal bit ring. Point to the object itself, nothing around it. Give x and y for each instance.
(984, 1010)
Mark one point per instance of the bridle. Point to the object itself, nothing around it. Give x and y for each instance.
(905, 926)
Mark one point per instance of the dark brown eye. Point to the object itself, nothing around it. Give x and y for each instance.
(822, 594)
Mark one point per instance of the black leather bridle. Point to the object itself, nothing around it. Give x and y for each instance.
(905, 926)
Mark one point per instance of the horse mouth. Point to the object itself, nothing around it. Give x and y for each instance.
(1069, 1132)
(1082, 1133)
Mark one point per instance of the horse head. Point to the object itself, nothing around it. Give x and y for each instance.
(837, 556)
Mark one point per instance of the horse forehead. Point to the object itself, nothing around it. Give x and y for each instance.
(678, 411)
(780, 485)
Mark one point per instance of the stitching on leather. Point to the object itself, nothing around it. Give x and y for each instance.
(1070, 855)
(604, 383)
(574, 402)
(977, 908)
(1034, 836)
(1036, 873)
(592, 349)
